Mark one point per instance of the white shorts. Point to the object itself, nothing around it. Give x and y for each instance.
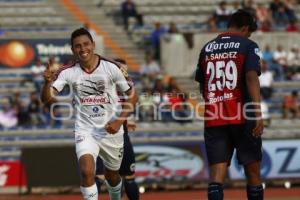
(109, 148)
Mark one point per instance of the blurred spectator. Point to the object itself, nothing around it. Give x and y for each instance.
(2, 33)
(263, 18)
(280, 56)
(172, 85)
(236, 5)
(51, 119)
(146, 105)
(8, 116)
(222, 15)
(128, 9)
(149, 71)
(292, 27)
(289, 10)
(150, 67)
(293, 61)
(22, 114)
(184, 110)
(266, 81)
(290, 105)
(155, 39)
(266, 26)
(159, 86)
(268, 54)
(34, 109)
(173, 28)
(37, 72)
(265, 114)
(249, 6)
(279, 14)
(211, 25)
(274, 7)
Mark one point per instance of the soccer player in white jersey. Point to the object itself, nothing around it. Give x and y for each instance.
(99, 114)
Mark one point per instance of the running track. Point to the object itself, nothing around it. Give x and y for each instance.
(270, 194)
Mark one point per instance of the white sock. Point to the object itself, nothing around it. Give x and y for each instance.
(114, 192)
(89, 193)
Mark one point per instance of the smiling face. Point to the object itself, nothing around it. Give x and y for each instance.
(83, 48)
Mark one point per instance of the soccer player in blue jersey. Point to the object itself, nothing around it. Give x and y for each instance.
(228, 70)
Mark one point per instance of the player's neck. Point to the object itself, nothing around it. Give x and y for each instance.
(90, 65)
(236, 31)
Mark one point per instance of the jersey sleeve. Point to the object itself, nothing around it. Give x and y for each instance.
(252, 61)
(60, 81)
(121, 78)
(199, 76)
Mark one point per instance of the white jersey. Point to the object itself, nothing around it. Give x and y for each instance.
(95, 93)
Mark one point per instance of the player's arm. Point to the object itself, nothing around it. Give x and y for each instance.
(128, 105)
(127, 108)
(199, 75)
(48, 93)
(51, 82)
(253, 86)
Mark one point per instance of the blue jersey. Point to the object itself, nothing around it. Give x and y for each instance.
(222, 66)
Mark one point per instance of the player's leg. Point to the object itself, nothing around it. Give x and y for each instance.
(254, 187)
(127, 170)
(111, 153)
(249, 155)
(99, 177)
(113, 183)
(219, 151)
(87, 150)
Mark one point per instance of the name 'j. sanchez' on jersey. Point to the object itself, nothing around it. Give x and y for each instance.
(95, 93)
(221, 70)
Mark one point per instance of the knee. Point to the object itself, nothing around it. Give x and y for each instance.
(87, 173)
(112, 177)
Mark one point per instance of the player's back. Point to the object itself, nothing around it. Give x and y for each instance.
(223, 63)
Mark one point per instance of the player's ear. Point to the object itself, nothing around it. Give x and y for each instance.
(72, 49)
(245, 30)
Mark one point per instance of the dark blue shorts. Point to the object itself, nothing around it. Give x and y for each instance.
(220, 142)
(127, 167)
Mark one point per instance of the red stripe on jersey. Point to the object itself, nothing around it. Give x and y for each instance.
(62, 68)
(119, 65)
(223, 90)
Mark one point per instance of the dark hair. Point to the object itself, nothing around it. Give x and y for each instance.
(242, 18)
(79, 32)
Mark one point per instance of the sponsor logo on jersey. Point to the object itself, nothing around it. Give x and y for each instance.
(226, 96)
(94, 100)
(95, 109)
(213, 46)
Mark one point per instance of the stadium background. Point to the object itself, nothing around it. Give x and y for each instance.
(36, 152)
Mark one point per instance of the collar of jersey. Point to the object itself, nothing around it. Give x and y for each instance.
(230, 34)
(99, 60)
